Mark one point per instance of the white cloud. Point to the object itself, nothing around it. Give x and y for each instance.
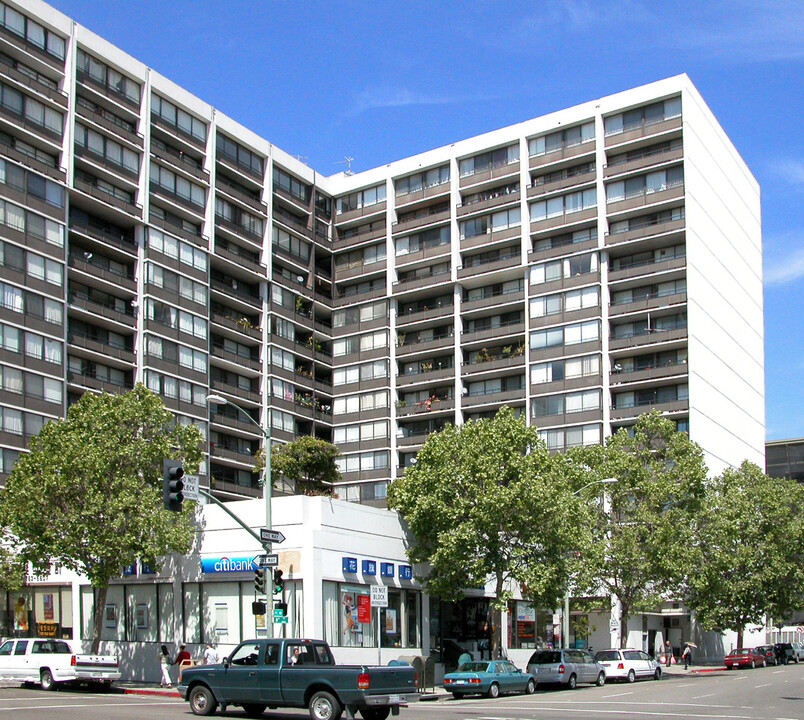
(785, 269)
(392, 97)
(791, 170)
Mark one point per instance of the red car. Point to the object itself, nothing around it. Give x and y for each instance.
(745, 657)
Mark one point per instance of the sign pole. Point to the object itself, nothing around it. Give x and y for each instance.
(379, 637)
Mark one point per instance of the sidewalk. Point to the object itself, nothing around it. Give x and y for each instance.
(143, 688)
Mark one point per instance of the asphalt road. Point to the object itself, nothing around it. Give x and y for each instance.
(761, 694)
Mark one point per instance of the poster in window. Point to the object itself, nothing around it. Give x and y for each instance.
(47, 606)
(110, 616)
(21, 614)
(222, 620)
(390, 621)
(141, 614)
(363, 608)
(349, 603)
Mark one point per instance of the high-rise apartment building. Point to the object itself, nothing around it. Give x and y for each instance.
(581, 267)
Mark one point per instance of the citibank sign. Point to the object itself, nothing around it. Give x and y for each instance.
(226, 565)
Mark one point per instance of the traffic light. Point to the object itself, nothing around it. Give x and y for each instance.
(172, 485)
(279, 583)
(258, 608)
(282, 608)
(259, 580)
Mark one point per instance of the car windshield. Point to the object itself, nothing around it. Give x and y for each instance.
(473, 667)
(545, 657)
(740, 651)
(604, 655)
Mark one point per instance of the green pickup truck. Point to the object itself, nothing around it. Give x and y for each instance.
(275, 673)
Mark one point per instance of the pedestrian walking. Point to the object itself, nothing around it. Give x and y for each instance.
(687, 655)
(164, 664)
(183, 659)
(668, 653)
(210, 655)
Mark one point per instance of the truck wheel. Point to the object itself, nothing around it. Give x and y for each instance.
(254, 710)
(375, 713)
(46, 680)
(202, 701)
(325, 706)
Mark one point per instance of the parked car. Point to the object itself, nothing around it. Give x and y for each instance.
(492, 678)
(281, 673)
(787, 653)
(798, 649)
(567, 667)
(628, 664)
(51, 661)
(745, 657)
(773, 655)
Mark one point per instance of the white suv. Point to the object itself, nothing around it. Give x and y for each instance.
(628, 664)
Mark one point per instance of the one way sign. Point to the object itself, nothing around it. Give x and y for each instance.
(272, 536)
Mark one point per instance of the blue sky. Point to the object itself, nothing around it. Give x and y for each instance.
(379, 81)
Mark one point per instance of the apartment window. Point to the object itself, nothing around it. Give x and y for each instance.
(434, 237)
(28, 150)
(514, 317)
(648, 257)
(496, 385)
(107, 115)
(357, 258)
(18, 300)
(177, 117)
(359, 288)
(496, 290)
(30, 183)
(283, 359)
(651, 396)
(178, 250)
(489, 160)
(283, 421)
(420, 181)
(296, 188)
(101, 335)
(170, 351)
(357, 373)
(177, 389)
(427, 271)
(34, 265)
(360, 403)
(175, 318)
(360, 199)
(360, 343)
(564, 369)
(575, 402)
(645, 184)
(663, 323)
(377, 460)
(646, 115)
(647, 292)
(166, 217)
(491, 193)
(565, 335)
(558, 269)
(127, 196)
(109, 77)
(19, 24)
(239, 155)
(565, 302)
(189, 289)
(563, 438)
(564, 239)
(568, 137)
(31, 110)
(107, 149)
(645, 152)
(362, 313)
(252, 224)
(563, 205)
(178, 185)
(361, 432)
(18, 218)
(491, 223)
(7, 459)
(285, 241)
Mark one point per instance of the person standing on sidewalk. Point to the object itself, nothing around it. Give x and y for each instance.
(668, 653)
(164, 663)
(687, 655)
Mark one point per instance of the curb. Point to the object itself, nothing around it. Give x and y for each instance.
(159, 692)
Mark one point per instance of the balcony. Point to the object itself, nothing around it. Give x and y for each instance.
(671, 407)
(651, 268)
(646, 199)
(424, 406)
(501, 170)
(646, 230)
(648, 337)
(491, 203)
(676, 370)
(473, 401)
(644, 129)
(570, 181)
(564, 219)
(566, 152)
(426, 313)
(491, 237)
(649, 303)
(420, 221)
(362, 212)
(571, 383)
(642, 161)
(410, 198)
(503, 263)
(515, 359)
(497, 332)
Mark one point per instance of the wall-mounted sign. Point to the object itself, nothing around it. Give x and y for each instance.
(387, 569)
(226, 564)
(349, 564)
(369, 567)
(405, 572)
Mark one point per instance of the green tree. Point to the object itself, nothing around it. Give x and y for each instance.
(487, 501)
(309, 462)
(750, 550)
(642, 540)
(89, 493)
(12, 563)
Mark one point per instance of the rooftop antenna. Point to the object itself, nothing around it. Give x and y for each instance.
(348, 160)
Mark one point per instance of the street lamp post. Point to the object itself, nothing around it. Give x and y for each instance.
(267, 492)
(565, 614)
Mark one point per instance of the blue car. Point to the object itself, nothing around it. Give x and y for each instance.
(490, 678)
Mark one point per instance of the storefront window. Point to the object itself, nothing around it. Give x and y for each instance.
(528, 628)
(142, 608)
(349, 620)
(135, 612)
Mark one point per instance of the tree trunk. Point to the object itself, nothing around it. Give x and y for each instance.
(624, 609)
(100, 610)
(739, 637)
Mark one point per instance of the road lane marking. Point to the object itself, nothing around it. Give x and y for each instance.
(698, 697)
(763, 685)
(618, 695)
(643, 713)
(87, 705)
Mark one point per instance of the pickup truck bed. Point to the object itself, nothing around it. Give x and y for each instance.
(50, 661)
(276, 673)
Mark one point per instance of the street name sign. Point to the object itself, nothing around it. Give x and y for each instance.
(379, 596)
(272, 536)
(267, 560)
(190, 490)
(280, 620)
